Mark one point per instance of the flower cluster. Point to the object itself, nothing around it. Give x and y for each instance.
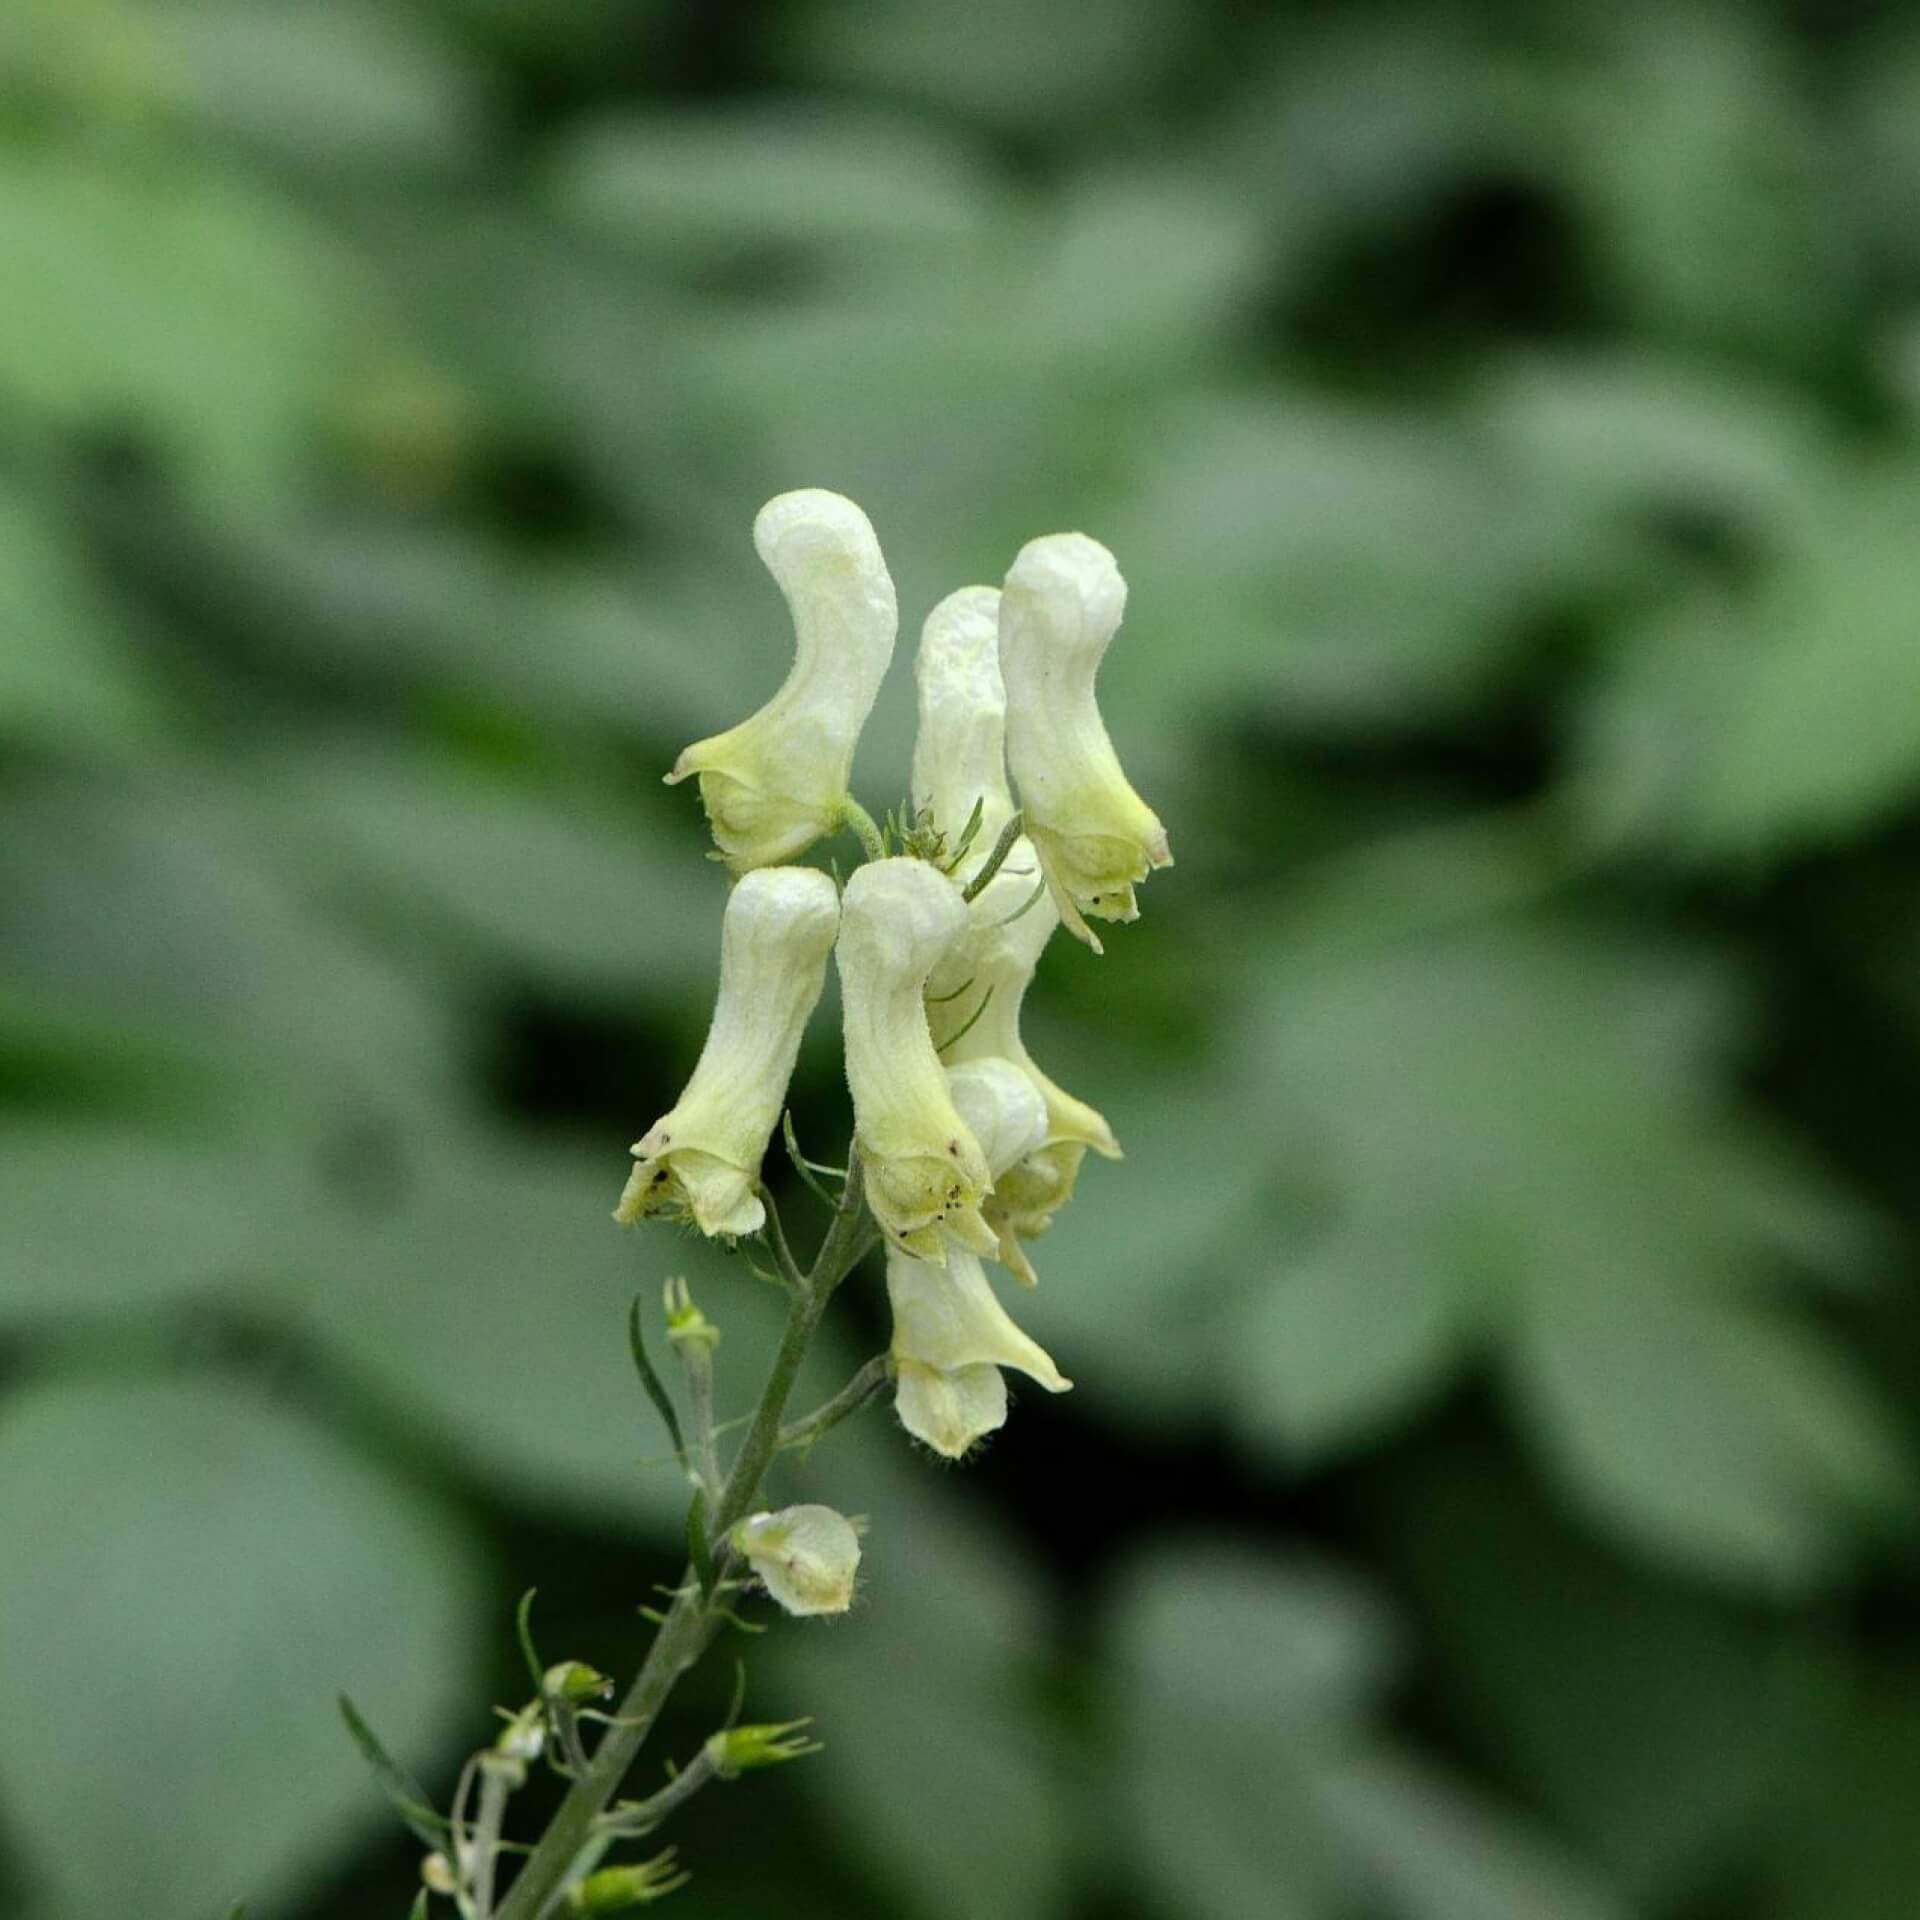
(1020, 821)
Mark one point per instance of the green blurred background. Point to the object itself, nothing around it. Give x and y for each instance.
(1489, 1489)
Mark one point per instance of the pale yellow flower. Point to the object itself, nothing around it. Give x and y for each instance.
(959, 752)
(805, 1556)
(924, 1171)
(951, 1337)
(704, 1156)
(1095, 837)
(778, 781)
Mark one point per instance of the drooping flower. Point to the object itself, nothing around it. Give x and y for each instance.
(951, 1336)
(1095, 837)
(925, 1174)
(704, 1156)
(805, 1556)
(778, 781)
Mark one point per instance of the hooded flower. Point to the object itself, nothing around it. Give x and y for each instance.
(974, 997)
(1095, 837)
(951, 1336)
(805, 1556)
(705, 1155)
(778, 781)
(959, 755)
(925, 1174)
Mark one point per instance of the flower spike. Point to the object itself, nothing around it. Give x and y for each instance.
(704, 1156)
(1096, 838)
(778, 781)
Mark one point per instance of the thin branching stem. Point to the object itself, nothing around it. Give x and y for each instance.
(575, 1838)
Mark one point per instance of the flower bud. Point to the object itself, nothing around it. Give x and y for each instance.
(687, 1326)
(959, 752)
(522, 1739)
(620, 1889)
(925, 1174)
(1096, 838)
(437, 1875)
(704, 1156)
(950, 1338)
(737, 1750)
(805, 1556)
(778, 781)
(576, 1683)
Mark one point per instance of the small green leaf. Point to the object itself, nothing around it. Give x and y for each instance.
(523, 1631)
(650, 1379)
(407, 1796)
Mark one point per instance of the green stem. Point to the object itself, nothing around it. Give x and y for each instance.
(862, 822)
(693, 1619)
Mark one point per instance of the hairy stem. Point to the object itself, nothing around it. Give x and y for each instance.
(575, 1831)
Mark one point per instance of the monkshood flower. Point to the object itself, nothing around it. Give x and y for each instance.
(1095, 837)
(778, 781)
(924, 1171)
(805, 1556)
(951, 1336)
(959, 753)
(704, 1157)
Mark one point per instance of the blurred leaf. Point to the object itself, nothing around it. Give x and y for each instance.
(735, 181)
(1525, 1119)
(1352, 567)
(1642, 435)
(485, 1301)
(1254, 1780)
(1034, 64)
(1715, 1435)
(1787, 717)
(160, 906)
(67, 668)
(202, 1571)
(1663, 1727)
(341, 86)
(1340, 1343)
(1686, 135)
(180, 303)
(584, 898)
(952, 1786)
(1438, 1853)
(103, 1220)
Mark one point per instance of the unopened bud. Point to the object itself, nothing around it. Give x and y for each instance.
(520, 1740)
(737, 1750)
(575, 1682)
(687, 1326)
(619, 1889)
(437, 1875)
(806, 1556)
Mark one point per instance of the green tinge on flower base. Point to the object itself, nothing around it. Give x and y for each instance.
(924, 1171)
(703, 1158)
(1095, 838)
(778, 781)
(805, 1556)
(951, 1337)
